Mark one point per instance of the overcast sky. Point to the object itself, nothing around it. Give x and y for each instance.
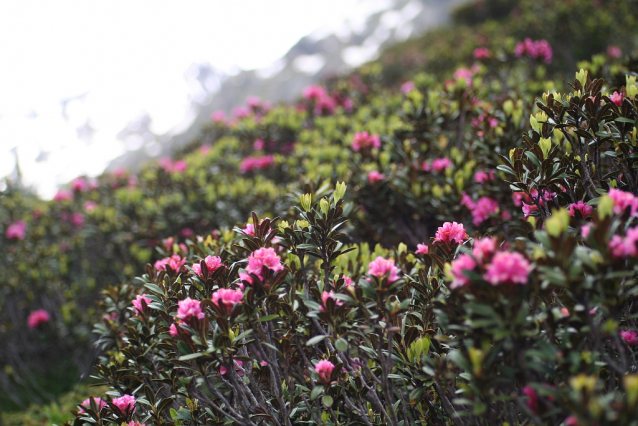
(116, 60)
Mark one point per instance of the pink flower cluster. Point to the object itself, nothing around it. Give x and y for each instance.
(17, 230)
(90, 206)
(189, 309)
(422, 249)
(218, 116)
(314, 92)
(212, 263)
(79, 185)
(374, 177)
(227, 298)
(223, 370)
(623, 200)
(176, 262)
(614, 52)
(261, 258)
(537, 49)
(484, 176)
(37, 318)
(249, 164)
(482, 53)
(324, 369)
(451, 231)
(438, 164)
(169, 166)
(363, 140)
(520, 198)
(126, 404)
(499, 267)
(87, 404)
(616, 98)
(321, 101)
(624, 247)
(630, 337)
(63, 195)
(582, 207)
(381, 267)
(407, 87)
(482, 209)
(137, 303)
(329, 295)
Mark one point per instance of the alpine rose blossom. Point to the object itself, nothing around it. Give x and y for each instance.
(189, 308)
(213, 263)
(172, 330)
(624, 247)
(451, 231)
(17, 230)
(440, 164)
(137, 303)
(582, 207)
(508, 267)
(329, 295)
(37, 318)
(463, 263)
(422, 249)
(365, 140)
(616, 98)
(484, 248)
(374, 177)
(532, 398)
(630, 337)
(623, 200)
(176, 262)
(483, 176)
(227, 298)
(264, 257)
(381, 267)
(63, 195)
(407, 87)
(126, 404)
(324, 370)
(482, 53)
(87, 404)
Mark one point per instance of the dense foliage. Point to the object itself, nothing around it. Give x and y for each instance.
(507, 294)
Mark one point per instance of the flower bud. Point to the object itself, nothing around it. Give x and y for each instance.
(557, 223)
(340, 191)
(325, 206)
(546, 146)
(582, 76)
(605, 206)
(305, 201)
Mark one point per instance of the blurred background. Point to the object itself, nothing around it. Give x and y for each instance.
(86, 86)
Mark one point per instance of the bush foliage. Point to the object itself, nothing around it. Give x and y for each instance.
(478, 269)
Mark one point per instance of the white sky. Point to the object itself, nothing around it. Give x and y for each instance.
(127, 58)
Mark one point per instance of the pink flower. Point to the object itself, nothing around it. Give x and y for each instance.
(532, 398)
(253, 102)
(258, 144)
(256, 163)
(188, 309)
(87, 404)
(483, 176)
(63, 195)
(264, 257)
(329, 295)
(37, 318)
(77, 219)
(348, 283)
(212, 263)
(241, 112)
(176, 262)
(451, 231)
(223, 371)
(137, 303)
(263, 363)
(519, 197)
(172, 330)
(484, 248)
(407, 87)
(482, 209)
(422, 249)
(622, 200)
(17, 230)
(166, 164)
(218, 116)
(582, 207)
(365, 140)
(314, 92)
(180, 166)
(463, 263)
(571, 421)
(126, 404)
(629, 336)
(614, 52)
(528, 209)
(585, 229)
(482, 53)
(79, 185)
(205, 149)
(374, 177)
(325, 105)
(381, 267)
(135, 423)
(440, 164)
(227, 298)
(324, 370)
(508, 267)
(90, 206)
(467, 201)
(534, 49)
(616, 98)
(464, 74)
(625, 247)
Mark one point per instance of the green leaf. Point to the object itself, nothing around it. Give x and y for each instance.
(318, 390)
(624, 120)
(190, 356)
(327, 400)
(341, 345)
(316, 339)
(268, 318)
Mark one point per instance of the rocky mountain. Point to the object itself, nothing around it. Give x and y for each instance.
(311, 59)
